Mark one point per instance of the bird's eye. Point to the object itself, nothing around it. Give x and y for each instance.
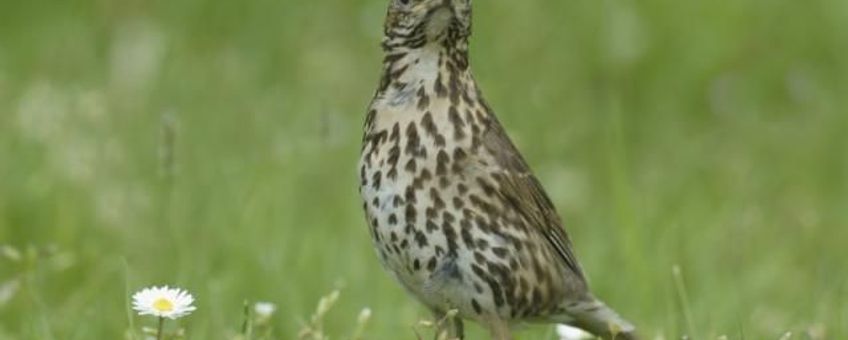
(404, 2)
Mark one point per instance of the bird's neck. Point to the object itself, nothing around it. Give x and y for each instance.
(434, 70)
(427, 92)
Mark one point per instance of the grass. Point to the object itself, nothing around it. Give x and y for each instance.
(707, 134)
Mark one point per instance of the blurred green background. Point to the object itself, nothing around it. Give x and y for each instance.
(212, 145)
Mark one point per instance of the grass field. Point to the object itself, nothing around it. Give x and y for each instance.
(212, 145)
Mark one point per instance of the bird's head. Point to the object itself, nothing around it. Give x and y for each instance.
(417, 23)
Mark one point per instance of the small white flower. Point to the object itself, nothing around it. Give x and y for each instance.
(566, 332)
(364, 316)
(163, 302)
(264, 309)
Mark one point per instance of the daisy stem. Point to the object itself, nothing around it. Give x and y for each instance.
(159, 331)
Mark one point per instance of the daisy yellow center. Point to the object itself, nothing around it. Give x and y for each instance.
(163, 305)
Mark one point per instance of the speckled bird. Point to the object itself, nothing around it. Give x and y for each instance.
(453, 209)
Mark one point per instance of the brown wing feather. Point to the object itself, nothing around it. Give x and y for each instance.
(525, 194)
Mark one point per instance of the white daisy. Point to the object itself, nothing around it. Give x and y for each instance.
(163, 302)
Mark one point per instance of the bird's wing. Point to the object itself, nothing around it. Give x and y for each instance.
(522, 191)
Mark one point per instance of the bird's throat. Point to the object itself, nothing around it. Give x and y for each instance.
(438, 23)
(431, 68)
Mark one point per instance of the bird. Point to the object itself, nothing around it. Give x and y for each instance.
(454, 212)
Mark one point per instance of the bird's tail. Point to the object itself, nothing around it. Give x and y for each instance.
(595, 317)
